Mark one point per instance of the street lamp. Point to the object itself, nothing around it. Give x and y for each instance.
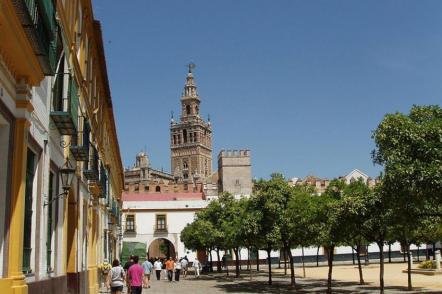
(67, 175)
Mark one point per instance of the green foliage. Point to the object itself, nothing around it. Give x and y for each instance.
(410, 149)
(427, 264)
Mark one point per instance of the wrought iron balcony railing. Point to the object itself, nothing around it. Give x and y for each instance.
(38, 20)
(90, 171)
(64, 108)
(80, 143)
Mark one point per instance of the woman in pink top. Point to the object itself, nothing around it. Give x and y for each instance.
(135, 275)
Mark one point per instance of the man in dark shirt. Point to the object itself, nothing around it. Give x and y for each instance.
(126, 267)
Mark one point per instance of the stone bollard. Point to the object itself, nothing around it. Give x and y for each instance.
(437, 253)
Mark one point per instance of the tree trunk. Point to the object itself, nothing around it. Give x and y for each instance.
(303, 263)
(285, 262)
(227, 264)
(367, 256)
(248, 258)
(389, 253)
(353, 255)
(239, 258)
(434, 251)
(257, 259)
(270, 265)
(330, 268)
(249, 265)
(211, 263)
(317, 257)
(292, 267)
(381, 267)
(418, 260)
(410, 286)
(279, 261)
(236, 262)
(358, 256)
(218, 263)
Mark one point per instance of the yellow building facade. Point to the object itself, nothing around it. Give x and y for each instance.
(61, 175)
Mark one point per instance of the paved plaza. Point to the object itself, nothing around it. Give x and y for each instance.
(346, 281)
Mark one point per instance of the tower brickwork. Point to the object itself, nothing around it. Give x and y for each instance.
(190, 138)
(235, 172)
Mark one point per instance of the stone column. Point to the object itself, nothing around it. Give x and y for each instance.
(15, 258)
(19, 159)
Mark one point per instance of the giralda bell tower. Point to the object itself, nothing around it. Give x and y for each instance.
(191, 137)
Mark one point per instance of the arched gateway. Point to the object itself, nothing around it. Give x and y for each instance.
(161, 247)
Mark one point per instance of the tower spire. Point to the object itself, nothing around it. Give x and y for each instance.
(190, 86)
(191, 66)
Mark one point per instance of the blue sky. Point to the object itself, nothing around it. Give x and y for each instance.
(300, 83)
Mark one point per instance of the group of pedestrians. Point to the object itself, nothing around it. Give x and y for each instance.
(138, 276)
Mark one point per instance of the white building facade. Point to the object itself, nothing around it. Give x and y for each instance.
(148, 217)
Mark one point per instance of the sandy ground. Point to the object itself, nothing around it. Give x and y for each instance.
(345, 281)
(393, 275)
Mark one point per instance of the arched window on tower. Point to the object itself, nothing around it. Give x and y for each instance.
(188, 109)
(184, 136)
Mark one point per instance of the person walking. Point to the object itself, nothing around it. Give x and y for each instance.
(126, 267)
(170, 265)
(164, 268)
(158, 266)
(197, 267)
(135, 275)
(184, 265)
(178, 268)
(147, 267)
(116, 277)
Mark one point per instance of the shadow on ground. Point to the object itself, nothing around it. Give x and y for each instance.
(281, 284)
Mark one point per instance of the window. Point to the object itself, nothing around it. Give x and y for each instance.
(161, 222)
(157, 189)
(146, 188)
(188, 109)
(237, 182)
(184, 136)
(185, 165)
(27, 246)
(137, 187)
(130, 223)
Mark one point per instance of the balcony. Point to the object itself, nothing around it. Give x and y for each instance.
(159, 230)
(90, 170)
(64, 108)
(130, 229)
(38, 20)
(102, 183)
(80, 144)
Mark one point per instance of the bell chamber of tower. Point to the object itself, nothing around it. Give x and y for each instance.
(190, 137)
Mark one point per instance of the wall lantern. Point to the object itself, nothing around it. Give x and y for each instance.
(67, 175)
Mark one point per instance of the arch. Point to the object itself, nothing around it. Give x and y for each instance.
(188, 109)
(157, 189)
(161, 247)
